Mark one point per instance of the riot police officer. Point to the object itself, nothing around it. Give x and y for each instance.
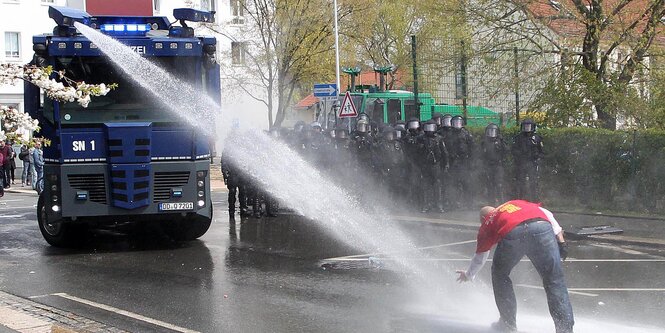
(527, 151)
(235, 183)
(413, 173)
(493, 150)
(389, 160)
(437, 117)
(314, 149)
(296, 138)
(460, 148)
(433, 159)
(361, 149)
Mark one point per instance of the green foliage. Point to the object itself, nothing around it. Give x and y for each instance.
(570, 97)
(602, 169)
(599, 170)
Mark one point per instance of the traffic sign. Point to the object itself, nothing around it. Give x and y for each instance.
(348, 109)
(325, 90)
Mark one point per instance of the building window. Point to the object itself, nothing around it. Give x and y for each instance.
(208, 5)
(12, 45)
(238, 11)
(238, 53)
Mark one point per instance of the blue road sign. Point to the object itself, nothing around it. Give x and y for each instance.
(325, 90)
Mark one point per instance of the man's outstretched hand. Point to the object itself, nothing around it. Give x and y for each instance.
(462, 276)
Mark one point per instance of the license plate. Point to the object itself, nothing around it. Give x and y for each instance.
(176, 206)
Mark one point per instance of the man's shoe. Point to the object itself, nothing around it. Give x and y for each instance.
(501, 326)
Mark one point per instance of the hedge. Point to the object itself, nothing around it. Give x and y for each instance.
(595, 169)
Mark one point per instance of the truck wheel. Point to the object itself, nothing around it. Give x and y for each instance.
(56, 232)
(192, 228)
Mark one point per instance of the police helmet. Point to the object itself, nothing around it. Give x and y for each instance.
(445, 120)
(363, 117)
(400, 125)
(362, 127)
(388, 133)
(528, 126)
(341, 133)
(429, 127)
(492, 130)
(298, 127)
(398, 134)
(437, 118)
(457, 122)
(413, 124)
(316, 126)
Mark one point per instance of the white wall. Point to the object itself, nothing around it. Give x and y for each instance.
(247, 110)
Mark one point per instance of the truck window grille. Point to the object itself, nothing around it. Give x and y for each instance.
(94, 184)
(164, 181)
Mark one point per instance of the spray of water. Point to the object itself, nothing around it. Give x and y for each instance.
(267, 161)
(286, 176)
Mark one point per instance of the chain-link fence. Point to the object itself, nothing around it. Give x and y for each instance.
(504, 81)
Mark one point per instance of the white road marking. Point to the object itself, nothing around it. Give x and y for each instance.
(570, 290)
(617, 289)
(125, 313)
(364, 257)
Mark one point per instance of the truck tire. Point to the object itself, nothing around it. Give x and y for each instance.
(191, 228)
(57, 233)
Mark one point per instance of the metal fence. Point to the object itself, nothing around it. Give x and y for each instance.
(504, 81)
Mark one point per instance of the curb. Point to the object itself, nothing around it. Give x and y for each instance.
(17, 190)
(614, 239)
(27, 316)
(628, 240)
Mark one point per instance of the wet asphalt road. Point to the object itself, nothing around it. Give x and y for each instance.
(265, 275)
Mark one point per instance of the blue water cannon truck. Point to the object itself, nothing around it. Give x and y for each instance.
(124, 159)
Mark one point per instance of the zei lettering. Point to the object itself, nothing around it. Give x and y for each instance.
(138, 49)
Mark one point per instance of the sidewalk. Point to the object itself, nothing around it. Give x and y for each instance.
(18, 314)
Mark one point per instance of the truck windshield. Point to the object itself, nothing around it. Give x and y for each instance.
(128, 102)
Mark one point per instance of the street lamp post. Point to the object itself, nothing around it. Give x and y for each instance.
(336, 51)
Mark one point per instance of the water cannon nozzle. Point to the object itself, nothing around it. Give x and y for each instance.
(65, 16)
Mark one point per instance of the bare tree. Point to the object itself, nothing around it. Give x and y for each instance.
(611, 40)
(285, 46)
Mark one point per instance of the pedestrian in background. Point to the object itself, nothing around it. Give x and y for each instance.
(38, 158)
(6, 151)
(12, 164)
(33, 172)
(23, 155)
(522, 228)
(2, 188)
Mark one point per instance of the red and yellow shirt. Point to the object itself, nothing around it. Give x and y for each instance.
(503, 219)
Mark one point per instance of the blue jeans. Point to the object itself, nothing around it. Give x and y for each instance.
(25, 173)
(536, 240)
(40, 174)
